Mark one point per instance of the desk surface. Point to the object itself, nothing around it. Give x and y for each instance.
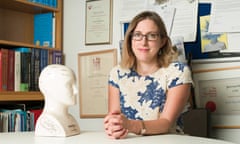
(101, 138)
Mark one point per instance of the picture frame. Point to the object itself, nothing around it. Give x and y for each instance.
(218, 90)
(93, 71)
(98, 22)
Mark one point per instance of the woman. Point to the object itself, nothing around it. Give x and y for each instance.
(148, 91)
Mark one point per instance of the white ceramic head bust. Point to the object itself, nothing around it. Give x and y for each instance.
(58, 85)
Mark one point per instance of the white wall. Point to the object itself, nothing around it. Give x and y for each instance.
(74, 42)
(74, 39)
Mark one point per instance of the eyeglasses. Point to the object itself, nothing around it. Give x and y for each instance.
(150, 36)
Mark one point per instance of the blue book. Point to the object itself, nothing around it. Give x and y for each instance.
(43, 29)
(43, 59)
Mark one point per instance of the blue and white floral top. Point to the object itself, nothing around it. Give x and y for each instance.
(143, 97)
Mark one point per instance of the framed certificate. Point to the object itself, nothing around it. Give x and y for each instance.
(219, 91)
(93, 70)
(98, 22)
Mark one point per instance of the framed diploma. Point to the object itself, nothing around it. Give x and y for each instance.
(219, 91)
(93, 71)
(98, 22)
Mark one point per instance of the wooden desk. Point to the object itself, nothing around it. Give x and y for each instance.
(101, 138)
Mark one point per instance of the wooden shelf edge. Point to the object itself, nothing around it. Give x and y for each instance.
(26, 6)
(38, 5)
(21, 44)
(21, 96)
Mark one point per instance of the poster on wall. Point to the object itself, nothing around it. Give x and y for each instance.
(93, 71)
(98, 22)
(219, 91)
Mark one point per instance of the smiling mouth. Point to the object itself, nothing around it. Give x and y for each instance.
(143, 49)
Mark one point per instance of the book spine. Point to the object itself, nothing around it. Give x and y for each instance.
(43, 59)
(32, 70)
(36, 69)
(57, 57)
(17, 71)
(4, 69)
(11, 67)
(25, 71)
(0, 70)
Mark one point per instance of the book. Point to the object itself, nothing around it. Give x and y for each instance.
(18, 67)
(34, 69)
(43, 58)
(17, 71)
(4, 70)
(0, 70)
(36, 114)
(11, 70)
(25, 71)
(57, 57)
(43, 29)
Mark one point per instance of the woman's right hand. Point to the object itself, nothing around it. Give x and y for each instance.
(114, 126)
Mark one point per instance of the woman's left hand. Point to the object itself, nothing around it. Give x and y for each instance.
(116, 125)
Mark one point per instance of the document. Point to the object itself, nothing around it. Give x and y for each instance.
(224, 16)
(130, 8)
(211, 42)
(185, 20)
(223, 93)
(233, 43)
(179, 45)
(167, 14)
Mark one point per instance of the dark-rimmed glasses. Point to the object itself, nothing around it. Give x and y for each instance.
(149, 36)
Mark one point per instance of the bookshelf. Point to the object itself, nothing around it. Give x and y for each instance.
(17, 30)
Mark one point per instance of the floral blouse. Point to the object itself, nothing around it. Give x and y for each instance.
(144, 97)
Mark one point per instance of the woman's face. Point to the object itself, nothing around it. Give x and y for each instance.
(147, 48)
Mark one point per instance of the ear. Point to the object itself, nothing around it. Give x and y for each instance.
(163, 42)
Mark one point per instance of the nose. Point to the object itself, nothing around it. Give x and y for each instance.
(144, 39)
(75, 90)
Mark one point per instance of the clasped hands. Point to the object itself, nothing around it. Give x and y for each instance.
(115, 124)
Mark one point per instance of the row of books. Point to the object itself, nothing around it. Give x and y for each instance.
(20, 67)
(50, 3)
(18, 119)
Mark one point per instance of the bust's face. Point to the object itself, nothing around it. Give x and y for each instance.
(58, 84)
(66, 89)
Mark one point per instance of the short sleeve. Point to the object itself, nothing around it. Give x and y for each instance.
(178, 73)
(113, 76)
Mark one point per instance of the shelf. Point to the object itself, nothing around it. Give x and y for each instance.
(22, 44)
(21, 96)
(17, 30)
(25, 6)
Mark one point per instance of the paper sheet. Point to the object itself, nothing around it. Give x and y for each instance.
(185, 20)
(130, 8)
(224, 16)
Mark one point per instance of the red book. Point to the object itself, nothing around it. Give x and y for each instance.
(0, 70)
(37, 113)
(11, 71)
(4, 65)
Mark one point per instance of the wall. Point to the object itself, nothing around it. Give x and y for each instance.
(74, 42)
(74, 39)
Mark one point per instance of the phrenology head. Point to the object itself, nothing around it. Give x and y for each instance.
(58, 82)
